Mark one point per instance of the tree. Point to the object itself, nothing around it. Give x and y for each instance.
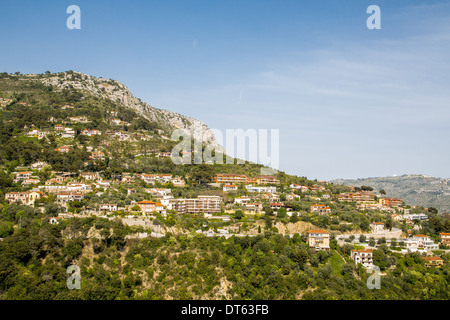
(238, 214)
(347, 248)
(300, 256)
(202, 173)
(380, 259)
(383, 192)
(393, 243)
(282, 213)
(372, 242)
(362, 238)
(268, 221)
(5, 180)
(51, 210)
(389, 223)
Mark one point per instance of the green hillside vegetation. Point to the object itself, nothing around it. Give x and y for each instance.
(257, 262)
(34, 258)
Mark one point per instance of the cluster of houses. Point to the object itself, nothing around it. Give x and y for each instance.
(320, 240)
(316, 187)
(260, 189)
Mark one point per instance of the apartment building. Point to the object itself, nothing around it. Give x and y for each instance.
(203, 204)
(230, 178)
(391, 202)
(266, 180)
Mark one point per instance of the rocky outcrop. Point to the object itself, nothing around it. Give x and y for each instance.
(119, 93)
(292, 228)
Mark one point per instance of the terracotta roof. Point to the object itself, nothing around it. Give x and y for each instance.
(363, 251)
(146, 202)
(432, 258)
(317, 231)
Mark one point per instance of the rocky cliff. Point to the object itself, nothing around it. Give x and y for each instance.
(119, 93)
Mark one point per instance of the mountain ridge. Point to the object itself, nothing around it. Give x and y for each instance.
(118, 92)
(416, 189)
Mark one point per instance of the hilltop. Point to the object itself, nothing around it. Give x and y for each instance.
(109, 90)
(419, 190)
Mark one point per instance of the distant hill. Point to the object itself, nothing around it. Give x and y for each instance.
(419, 190)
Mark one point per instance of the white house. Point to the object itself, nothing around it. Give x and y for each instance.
(251, 188)
(377, 227)
(242, 200)
(229, 187)
(108, 207)
(365, 257)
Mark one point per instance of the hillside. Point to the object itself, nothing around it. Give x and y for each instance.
(110, 90)
(87, 179)
(419, 190)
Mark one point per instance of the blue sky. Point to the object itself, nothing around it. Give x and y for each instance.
(349, 102)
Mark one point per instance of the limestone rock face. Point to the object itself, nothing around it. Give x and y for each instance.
(292, 228)
(119, 93)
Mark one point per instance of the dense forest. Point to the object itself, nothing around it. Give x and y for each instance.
(34, 257)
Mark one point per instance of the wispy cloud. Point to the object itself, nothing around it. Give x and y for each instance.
(383, 103)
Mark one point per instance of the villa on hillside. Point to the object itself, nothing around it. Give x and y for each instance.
(318, 239)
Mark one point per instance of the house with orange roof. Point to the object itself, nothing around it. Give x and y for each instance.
(276, 205)
(99, 155)
(445, 238)
(318, 239)
(391, 202)
(320, 208)
(365, 257)
(64, 149)
(229, 187)
(377, 227)
(26, 198)
(147, 206)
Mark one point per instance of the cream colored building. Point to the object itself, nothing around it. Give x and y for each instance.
(318, 239)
